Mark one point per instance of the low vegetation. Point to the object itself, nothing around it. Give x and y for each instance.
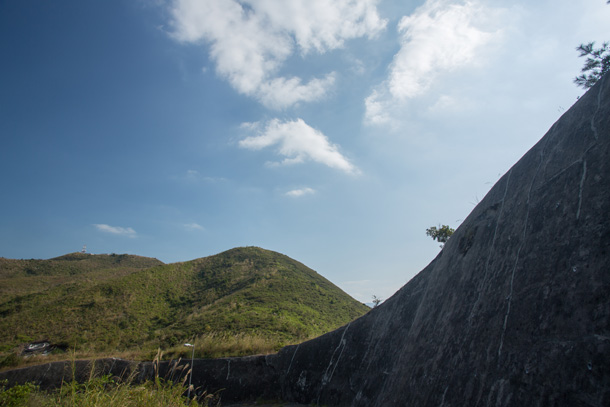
(241, 302)
(102, 391)
(109, 391)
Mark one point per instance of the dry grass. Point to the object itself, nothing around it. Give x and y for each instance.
(212, 345)
(109, 392)
(216, 345)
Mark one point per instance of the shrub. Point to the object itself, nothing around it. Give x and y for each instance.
(15, 396)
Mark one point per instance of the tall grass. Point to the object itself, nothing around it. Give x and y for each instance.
(209, 345)
(104, 390)
(222, 344)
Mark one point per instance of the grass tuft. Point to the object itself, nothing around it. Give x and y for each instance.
(104, 390)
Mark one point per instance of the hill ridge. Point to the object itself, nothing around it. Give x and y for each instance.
(118, 303)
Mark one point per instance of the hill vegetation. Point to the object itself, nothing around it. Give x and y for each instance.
(243, 301)
(22, 277)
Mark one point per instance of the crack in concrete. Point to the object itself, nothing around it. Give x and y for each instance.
(491, 249)
(45, 373)
(377, 331)
(599, 103)
(291, 360)
(327, 378)
(521, 244)
(444, 395)
(582, 183)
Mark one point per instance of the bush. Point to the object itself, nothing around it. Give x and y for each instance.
(10, 360)
(16, 396)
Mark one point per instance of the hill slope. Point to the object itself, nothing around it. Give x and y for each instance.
(21, 277)
(112, 303)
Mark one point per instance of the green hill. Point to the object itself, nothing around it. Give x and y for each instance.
(117, 303)
(21, 277)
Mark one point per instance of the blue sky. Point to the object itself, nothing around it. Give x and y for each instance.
(334, 132)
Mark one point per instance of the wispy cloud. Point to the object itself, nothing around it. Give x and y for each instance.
(193, 226)
(376, 104)
(296, 193)
(251, 40)
(196, 176)
(116, 230)
(281, 92)
(439, 37)
(296, 141)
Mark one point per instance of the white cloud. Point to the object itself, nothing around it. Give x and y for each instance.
(298, 142)
(193, 226)
(251, 39)
(282, 92)
(376, 109)
(439, 37)
(296, 193)
(116, 230)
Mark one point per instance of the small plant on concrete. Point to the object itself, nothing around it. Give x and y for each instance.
(441, 233)
(596, 64)
(376, 301)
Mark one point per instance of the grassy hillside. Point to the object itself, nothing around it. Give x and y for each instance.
(21, 277)
(109, 303)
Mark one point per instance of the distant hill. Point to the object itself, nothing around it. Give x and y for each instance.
(106, 303)
(21, 277)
